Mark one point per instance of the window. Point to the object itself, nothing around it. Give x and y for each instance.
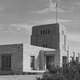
(45, 45)
(64, 45)
(62, 32)
(65, 59)
(41, 32)
(45, 31)
(77, 59)
(33, 62)
(6, 62)
(48, 31)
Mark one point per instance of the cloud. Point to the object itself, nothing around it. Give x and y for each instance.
(77, 3)
(51, 8)
(2, 27)
(28, 27)
(49, 21)
(24, 26)
(1, 9)
(21, 25)
(74, 40)
(73, 37)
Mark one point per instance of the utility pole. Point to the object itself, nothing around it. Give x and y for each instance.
(56, 11)
(54, 6)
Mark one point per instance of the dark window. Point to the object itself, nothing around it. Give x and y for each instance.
(45, 31)
(6, 62)
(33, 62)
(45, 45)
(65, 59)
(41, 32)
(48, 31)
(77, 59)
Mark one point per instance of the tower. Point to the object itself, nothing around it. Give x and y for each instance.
(50, 36)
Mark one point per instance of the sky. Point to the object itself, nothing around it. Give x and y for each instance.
(18, 16)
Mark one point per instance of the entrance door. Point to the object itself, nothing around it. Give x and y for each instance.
(49, 60)
(6, 62)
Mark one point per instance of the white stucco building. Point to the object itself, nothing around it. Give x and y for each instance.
(39, 54)
(53, 36)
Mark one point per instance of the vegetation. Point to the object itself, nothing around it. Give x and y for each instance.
(69, 71)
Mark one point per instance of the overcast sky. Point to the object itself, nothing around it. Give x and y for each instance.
(18, 16)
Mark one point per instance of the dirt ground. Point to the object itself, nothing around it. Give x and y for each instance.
(19, 77)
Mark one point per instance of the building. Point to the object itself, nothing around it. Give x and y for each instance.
(11, 59)
(35, 58)
(19, 58)
(48, 47)
(51, 36)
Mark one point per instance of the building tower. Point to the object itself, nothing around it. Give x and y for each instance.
(51, 36)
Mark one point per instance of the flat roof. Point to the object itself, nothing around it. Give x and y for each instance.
(27, 46)
(41, 25)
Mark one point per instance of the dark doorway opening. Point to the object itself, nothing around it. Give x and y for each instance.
(49, 60)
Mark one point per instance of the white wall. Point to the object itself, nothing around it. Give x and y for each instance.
(63, 46)
(29, 50)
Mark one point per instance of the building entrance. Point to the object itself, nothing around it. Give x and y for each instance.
(49, 60)
(6, 62)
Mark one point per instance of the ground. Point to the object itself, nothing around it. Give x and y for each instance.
(18, 77)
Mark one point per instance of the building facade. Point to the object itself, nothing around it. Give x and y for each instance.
(48, 46)
(46, 36)
(11, 59)
(51, 36)
(35, 58)
(19, 58)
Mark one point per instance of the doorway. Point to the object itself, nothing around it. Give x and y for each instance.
(49, 60)
(6, 62)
